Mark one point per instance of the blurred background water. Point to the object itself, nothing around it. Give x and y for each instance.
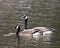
(42, 13)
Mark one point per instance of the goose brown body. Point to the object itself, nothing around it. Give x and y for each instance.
(43, 29)
(28, 32)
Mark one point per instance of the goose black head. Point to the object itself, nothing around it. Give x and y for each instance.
(17, 33)
(17, 27)
(18, 30)
(25, 17)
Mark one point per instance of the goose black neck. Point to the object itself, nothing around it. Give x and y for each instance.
(17, 34)
(18, 31)
(26, 23)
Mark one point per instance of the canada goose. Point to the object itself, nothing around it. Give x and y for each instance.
(26, 33)
(42, 29)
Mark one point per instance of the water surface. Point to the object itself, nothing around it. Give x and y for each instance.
(42, 13)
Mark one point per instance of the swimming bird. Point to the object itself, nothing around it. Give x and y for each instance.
(26, 33)
(42, 29)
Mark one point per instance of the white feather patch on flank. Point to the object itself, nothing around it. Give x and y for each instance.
(47, 32)
(36, 34)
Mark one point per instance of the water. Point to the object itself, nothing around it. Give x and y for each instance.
(41, 13)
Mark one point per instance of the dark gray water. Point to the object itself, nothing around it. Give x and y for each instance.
(42, 13)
